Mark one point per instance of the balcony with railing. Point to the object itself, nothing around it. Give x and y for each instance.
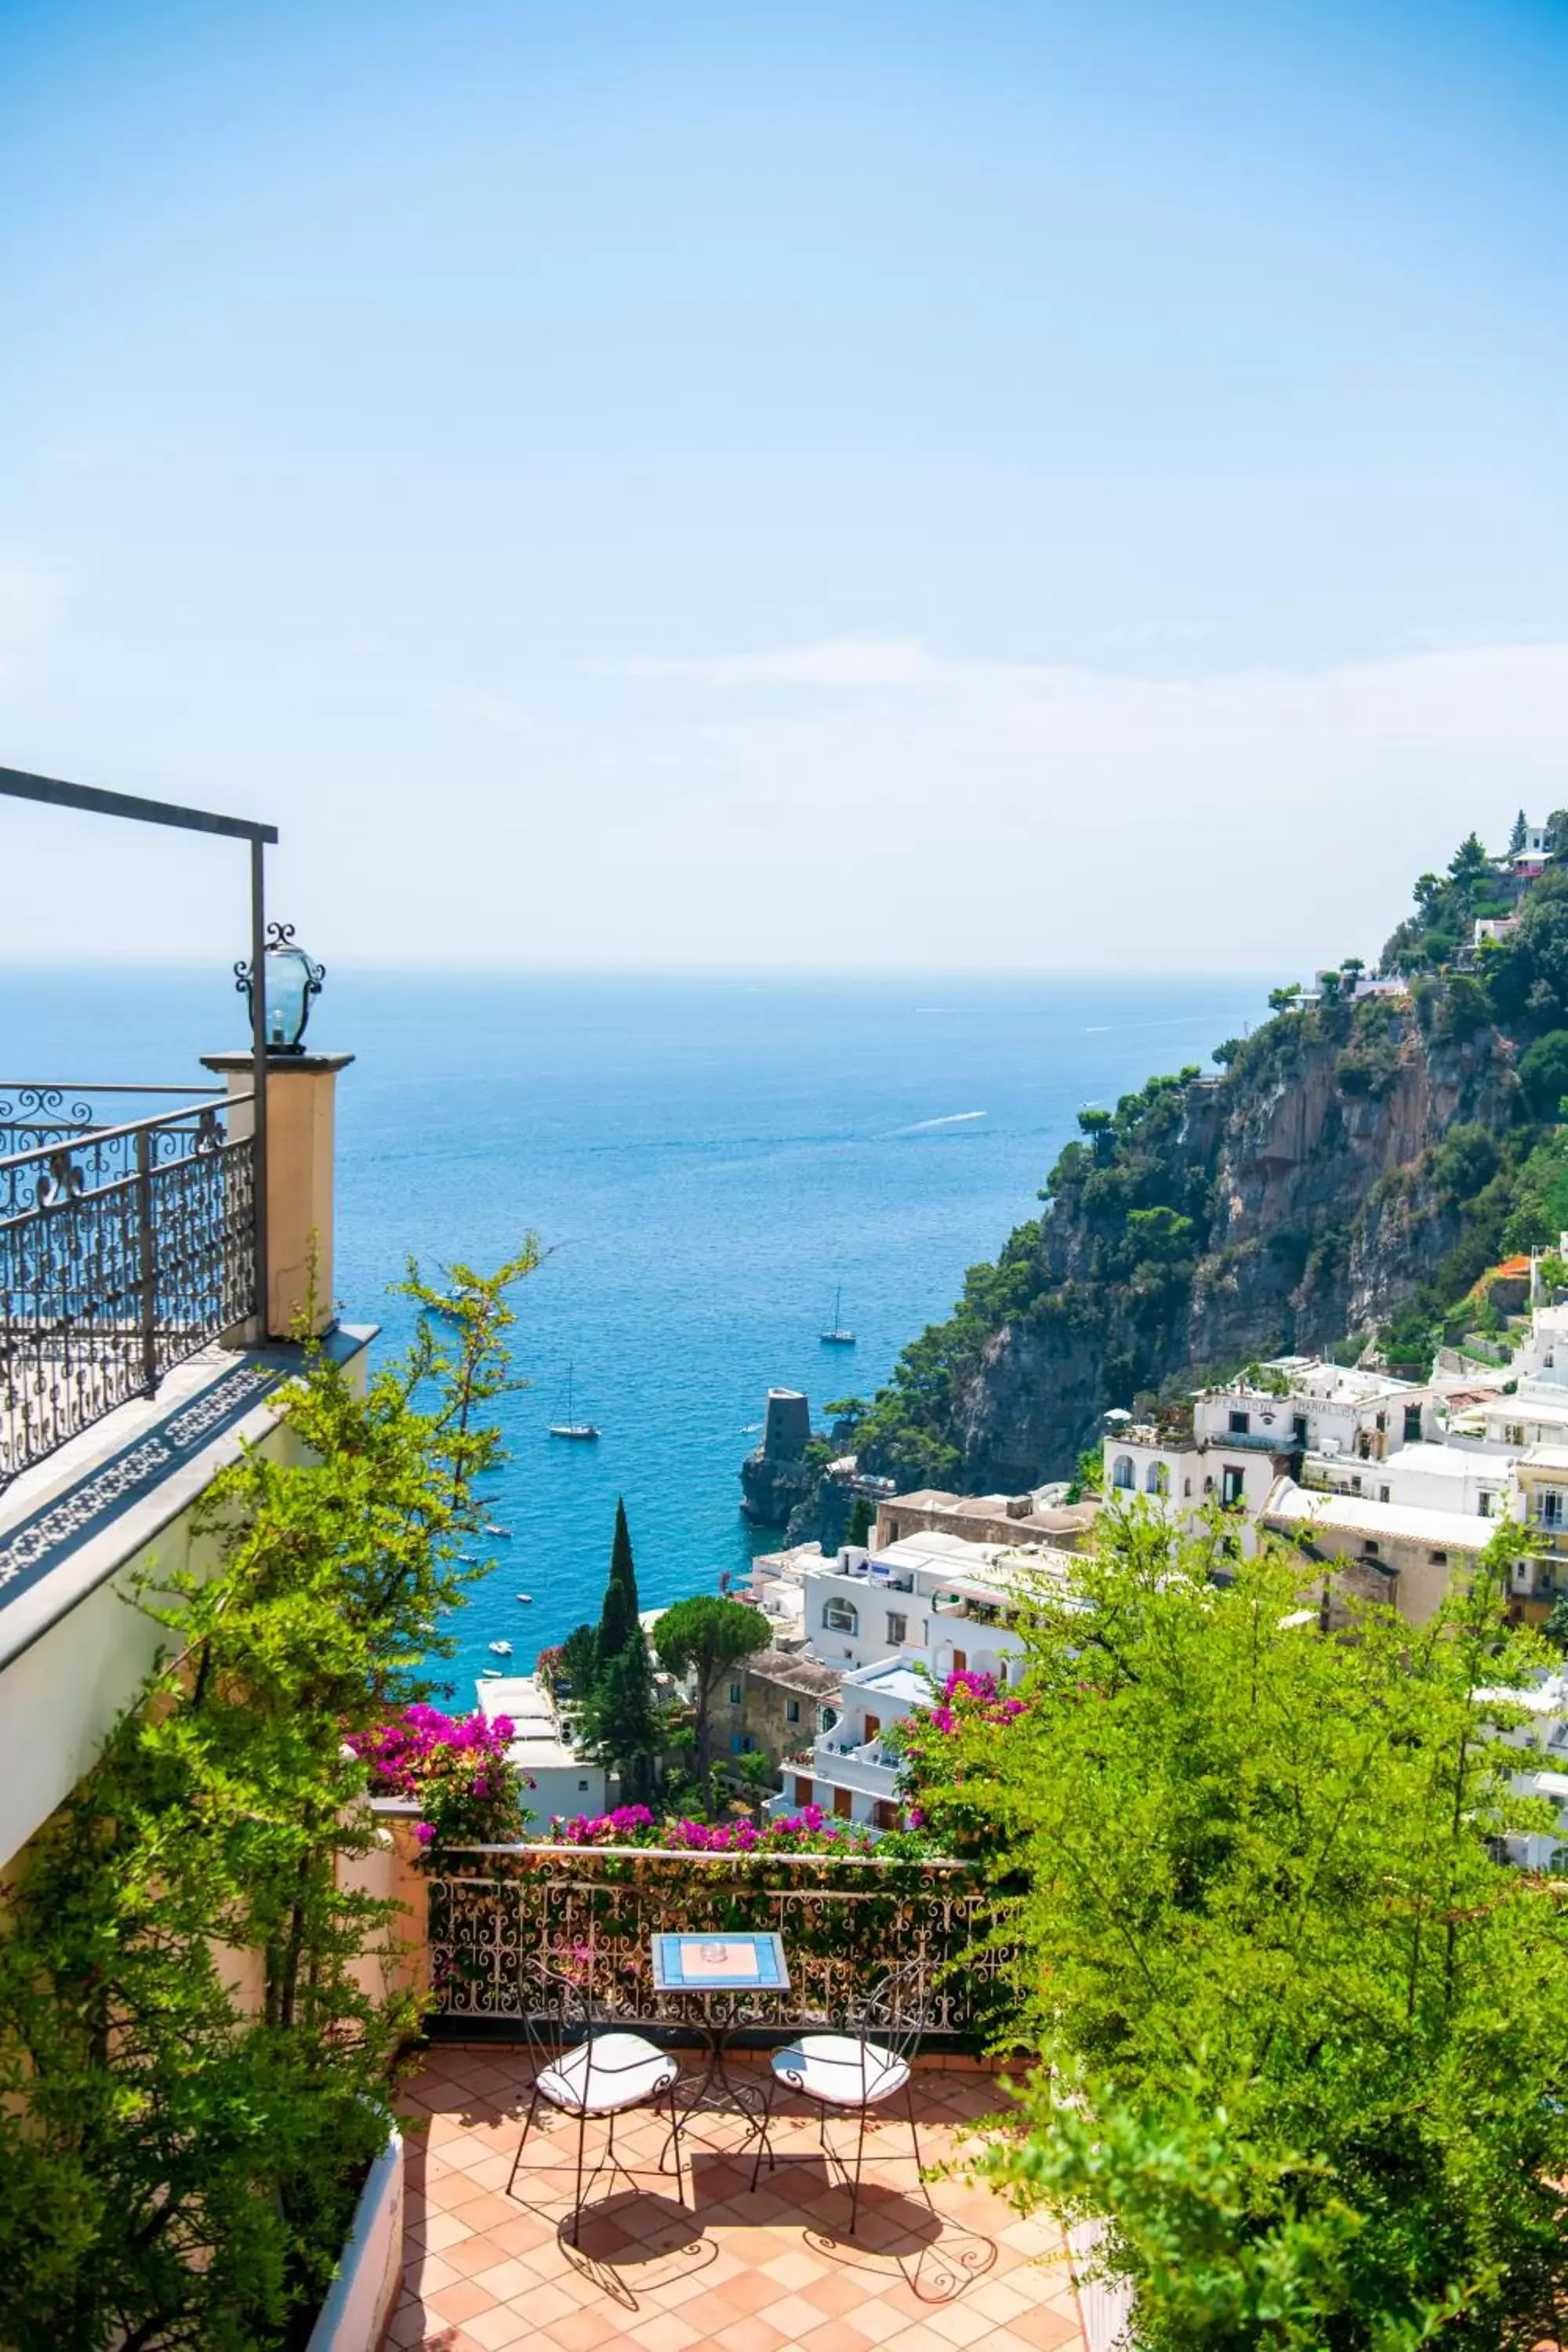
(1283, 1440)
(494, 1913)
(127, 1245)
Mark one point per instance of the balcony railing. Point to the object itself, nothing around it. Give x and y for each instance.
(497, 1914)
(125, 1248)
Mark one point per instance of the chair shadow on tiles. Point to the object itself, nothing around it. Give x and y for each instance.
(898, 2232)
(635, 2242)
(629, 2239)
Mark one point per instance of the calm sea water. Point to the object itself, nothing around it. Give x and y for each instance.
(706, 1160)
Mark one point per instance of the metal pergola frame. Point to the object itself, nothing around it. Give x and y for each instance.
(16, 783)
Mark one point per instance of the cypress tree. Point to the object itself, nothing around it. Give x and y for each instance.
(618, 1619)
(621, 1721)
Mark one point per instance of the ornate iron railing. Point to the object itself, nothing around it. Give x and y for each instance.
(497, 1913)
(124, 1249)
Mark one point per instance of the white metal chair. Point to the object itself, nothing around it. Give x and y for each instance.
(606, 2073)
(856, 2073)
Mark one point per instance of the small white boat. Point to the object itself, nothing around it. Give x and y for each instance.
(836, 1335)
(500, 1649)
(582, 1430)
(525, 1598)
(467, 1558)
(502, 1535)
(491, 1673)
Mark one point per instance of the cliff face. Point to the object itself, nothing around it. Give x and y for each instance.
(1344, 1185)
(1309, 1194)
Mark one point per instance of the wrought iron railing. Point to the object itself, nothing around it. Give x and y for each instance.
(497, 1913)
(124, 1249)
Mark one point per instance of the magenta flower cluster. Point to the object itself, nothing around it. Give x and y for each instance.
(966, 1694)
(454, 1766)
(623, 1827)
(635, 1825)
(403, 1752)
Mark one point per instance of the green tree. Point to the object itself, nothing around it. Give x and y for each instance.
(618, 1617)
(173, 2173)
(1516, 838)
(1299, 2033)
(1469, 862)
(621, 1724)
(580, 1660)
(862, 1522)
(1283, 1000)
(704, 1637)
(1543, 1074)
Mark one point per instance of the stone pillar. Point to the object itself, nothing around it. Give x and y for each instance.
(300, 1092)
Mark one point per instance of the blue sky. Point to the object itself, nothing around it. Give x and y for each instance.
(982, 484)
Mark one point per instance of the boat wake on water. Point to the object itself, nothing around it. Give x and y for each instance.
(952, 1118)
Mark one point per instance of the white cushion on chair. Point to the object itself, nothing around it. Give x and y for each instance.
(612, 2072)
(837, 2069)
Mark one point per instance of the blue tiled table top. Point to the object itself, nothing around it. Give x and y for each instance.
(728, 1963)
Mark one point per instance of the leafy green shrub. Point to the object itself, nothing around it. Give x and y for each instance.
(173, 2173)
(1543, 1073)
(1298, 2032)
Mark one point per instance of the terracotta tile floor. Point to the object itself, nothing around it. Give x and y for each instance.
(773, 2271)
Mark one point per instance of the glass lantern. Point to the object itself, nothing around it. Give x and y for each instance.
(291, 978)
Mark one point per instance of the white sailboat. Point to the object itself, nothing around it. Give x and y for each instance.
(582, 1430)
(836, 1335)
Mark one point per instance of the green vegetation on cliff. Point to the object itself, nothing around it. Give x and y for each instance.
(1344, 1182)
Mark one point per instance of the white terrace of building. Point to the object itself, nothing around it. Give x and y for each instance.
(564, 1782)
(929, 1597)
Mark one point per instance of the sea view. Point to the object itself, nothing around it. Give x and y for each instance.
(706, 1160)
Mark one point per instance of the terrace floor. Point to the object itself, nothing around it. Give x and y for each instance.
(772, 2271)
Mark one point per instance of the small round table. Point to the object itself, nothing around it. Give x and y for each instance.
(722, 1982)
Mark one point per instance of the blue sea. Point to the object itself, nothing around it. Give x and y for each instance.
(707, 1161)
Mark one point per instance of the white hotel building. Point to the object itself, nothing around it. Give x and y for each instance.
(895, 1625)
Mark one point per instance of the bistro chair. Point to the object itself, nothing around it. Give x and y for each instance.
(584, 2066)
(857, 2071)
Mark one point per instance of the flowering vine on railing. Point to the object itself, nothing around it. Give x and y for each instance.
(455, 1767)
(810, 1831)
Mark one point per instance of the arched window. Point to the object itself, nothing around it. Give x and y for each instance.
(1124, 1475)
(841, 1617)
(1157, 1480)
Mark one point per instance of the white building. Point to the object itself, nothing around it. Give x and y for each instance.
(1242, 1435)
(928, 1598)
(778, 1588)
(1423, 1477)
(852, 1768)
(896, 1625)
(1301, 1403)
(564, 1782)
(1511, 1425)
(1543, 1742)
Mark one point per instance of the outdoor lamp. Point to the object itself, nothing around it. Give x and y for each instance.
(291, 978)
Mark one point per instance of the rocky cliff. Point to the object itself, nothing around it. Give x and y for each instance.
(1314, 1209)
(1340, 1187)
